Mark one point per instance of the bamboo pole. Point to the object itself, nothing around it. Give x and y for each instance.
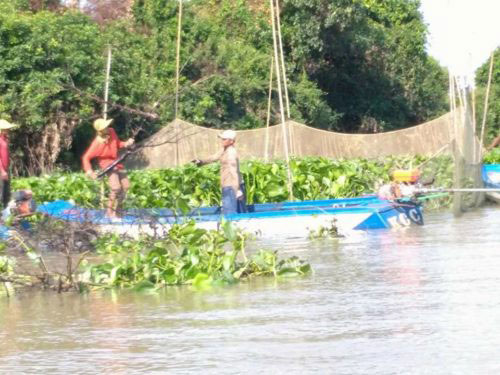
(285, 84)
(475, 158)
(461, 101)
(105, 108)
(280, 97)
(457, 175)
(452, 105)
(177, 73)
(177, 59)
(485, 110)
(268, 119)
(106, 85)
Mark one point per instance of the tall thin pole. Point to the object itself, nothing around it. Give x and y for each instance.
(285, 84)
(457, 174)
(268, 119)
(106, 85)
(105, 108)
(453, 107)
(280, 96)
(177, 73)
(483, 125)
(177, 59)
(474, 130)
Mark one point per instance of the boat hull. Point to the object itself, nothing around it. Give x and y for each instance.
(491, 179)
(288, 219)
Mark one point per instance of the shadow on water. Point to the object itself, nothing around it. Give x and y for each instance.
(419, 300)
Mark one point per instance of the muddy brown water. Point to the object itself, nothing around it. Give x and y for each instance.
(424, 300)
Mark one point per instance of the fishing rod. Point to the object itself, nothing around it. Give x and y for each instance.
(457, 190)
(122, 157)
(133, 149)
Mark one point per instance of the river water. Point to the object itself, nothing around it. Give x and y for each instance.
(424, 300)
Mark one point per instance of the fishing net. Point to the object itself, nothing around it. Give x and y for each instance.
(467, 158)
(180, 142)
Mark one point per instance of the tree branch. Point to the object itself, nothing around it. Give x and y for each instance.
(150, 115)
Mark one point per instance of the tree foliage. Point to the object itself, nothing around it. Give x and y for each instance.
(493, 113)
(43, 55)
(368, 57)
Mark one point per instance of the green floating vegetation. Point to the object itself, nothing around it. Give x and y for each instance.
(326, 231)
(492, 157)
(187, 255)
(190, 186)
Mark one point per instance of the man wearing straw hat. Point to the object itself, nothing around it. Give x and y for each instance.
(105, 148)
(233, 192)
(5, 161)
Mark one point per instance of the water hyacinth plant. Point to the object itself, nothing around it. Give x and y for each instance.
(492, 157)
(189, 186)
(187, 255)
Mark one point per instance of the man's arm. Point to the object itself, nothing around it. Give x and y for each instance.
(211, 159)
(120, 143)
(494, 144)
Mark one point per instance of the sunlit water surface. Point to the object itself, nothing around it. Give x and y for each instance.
(424, 300)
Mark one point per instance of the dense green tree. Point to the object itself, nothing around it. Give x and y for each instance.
(43, 55)
(369, 57)
(493, 113)
(226, 52)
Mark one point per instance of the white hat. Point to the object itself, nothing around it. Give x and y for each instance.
(101, 124)
(4, 125)
(228, 134)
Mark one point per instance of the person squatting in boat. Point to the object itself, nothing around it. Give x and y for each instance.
(233, 188)
(20, 206)
(404, 184)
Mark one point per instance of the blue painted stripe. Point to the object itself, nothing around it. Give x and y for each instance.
(66, 211)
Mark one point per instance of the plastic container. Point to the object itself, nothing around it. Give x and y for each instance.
(402, 175)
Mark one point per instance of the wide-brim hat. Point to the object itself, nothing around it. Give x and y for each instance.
(101, 124)
(4, 125)
(228, 134)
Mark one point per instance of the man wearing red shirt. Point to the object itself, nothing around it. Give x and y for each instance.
(4, 162)
(105, 148)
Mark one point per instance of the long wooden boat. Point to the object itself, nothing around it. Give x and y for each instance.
(287, 219)
(491, 179)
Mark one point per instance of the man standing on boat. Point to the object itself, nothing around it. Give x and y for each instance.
(5, 161)
(105, 148)
(233, 191)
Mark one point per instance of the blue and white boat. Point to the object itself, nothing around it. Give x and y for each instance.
(287, 219)
(491, 179)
